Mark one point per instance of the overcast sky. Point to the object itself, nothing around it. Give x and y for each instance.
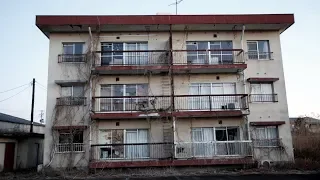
(24, 49)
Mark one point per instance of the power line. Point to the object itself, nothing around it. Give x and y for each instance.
(14, 88)
(14, 94)
(41, 85)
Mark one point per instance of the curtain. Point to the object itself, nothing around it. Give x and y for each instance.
(143, 150)
(130, 56)
(217, 101)
(142, 57)
(194, 102)
(137, 151)
(205, 89)
(208, 146)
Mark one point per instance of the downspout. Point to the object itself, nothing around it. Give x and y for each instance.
(172, 91)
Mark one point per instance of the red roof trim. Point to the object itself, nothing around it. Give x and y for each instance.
(257, 79)
(166, 19)
(267, 123)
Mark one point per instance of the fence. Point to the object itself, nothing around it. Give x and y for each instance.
(264, 98)
(131, 151)
(69, 147)
(162, 103)
(71, 101)
(213, 149)
(71, 58)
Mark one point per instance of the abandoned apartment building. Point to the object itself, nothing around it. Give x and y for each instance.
(165, 90)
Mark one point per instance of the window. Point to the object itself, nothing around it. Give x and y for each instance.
(123, 103)
(197, 52)
(266, 136)
(215, 141)
(72, 52)
(123, 141)
(258, 50)
(73, 48)
(217, 102)
(110, 56)
(70, 141)
(72, 95)
(262, 92)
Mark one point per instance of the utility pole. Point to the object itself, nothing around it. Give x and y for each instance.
(32, 104)
(176, 4)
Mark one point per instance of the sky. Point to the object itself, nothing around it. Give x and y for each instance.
(25, 50)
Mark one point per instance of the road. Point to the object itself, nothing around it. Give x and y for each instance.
(230, 177)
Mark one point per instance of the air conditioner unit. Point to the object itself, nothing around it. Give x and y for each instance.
(265, 164)
(231, 106)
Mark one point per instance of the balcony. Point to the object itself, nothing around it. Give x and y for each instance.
(232, 105)
(69, 147)
(184, 61)
(71, 101)
(132, 62)
(170, 154)
(71, 58)
(208, 61)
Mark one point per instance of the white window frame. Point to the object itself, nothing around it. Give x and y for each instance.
(124, 99)
(70, 144)
(208, 53)
(266, 135)
(268, 54)
(72, 94)
(125, 61)
(272, 94)
(124, 140)
(73, 44)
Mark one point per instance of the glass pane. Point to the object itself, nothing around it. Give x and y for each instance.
(263, 46)
(252, 46)
(66, 91)
(203, 46)
(118, 47)
(106, 60)
(227, 59)
(67, 49)
(272, 133)
(196, 135)
(117, 90)
(64, 138)
(226, 45)
(142, 90)
(131, 90)
(233, 133)
(78, 91)
(221, 134)
(105, 91)
(78, 48)
(192, 46)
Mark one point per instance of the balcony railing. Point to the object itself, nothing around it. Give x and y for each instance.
(71, 101)
(163, 103)
(213, 149)
(162, 57)
(131, 151)
(263, 97)
(133, 58)
(259, 55)
(71, 58)
(69, 147)
(266, 143)
(208, 56)
(182, 150)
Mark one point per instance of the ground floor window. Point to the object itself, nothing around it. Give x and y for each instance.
(215, 141)
(266, 136)
(70, 141)
(124, 143)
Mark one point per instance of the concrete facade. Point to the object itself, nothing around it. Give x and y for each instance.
(80, 115)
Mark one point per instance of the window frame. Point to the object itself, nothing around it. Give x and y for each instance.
(72, 90)
(261, 95)
(124, 54)
(268, 54)
(71, 145)
(214, 133)
(267, 137)
(73, 44)
(208, 53)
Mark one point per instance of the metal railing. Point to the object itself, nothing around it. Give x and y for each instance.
(71, 58)
(212, 149)
(131, 151)
(211, 102)
(133, 58)
(69, 147)
(162, 57)
(263, 98)
(71, 101)
(163, 103)
(131, 103)
(259, 55)
(208, 56)
(266, 142)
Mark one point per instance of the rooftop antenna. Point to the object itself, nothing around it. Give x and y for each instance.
(176, 4)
